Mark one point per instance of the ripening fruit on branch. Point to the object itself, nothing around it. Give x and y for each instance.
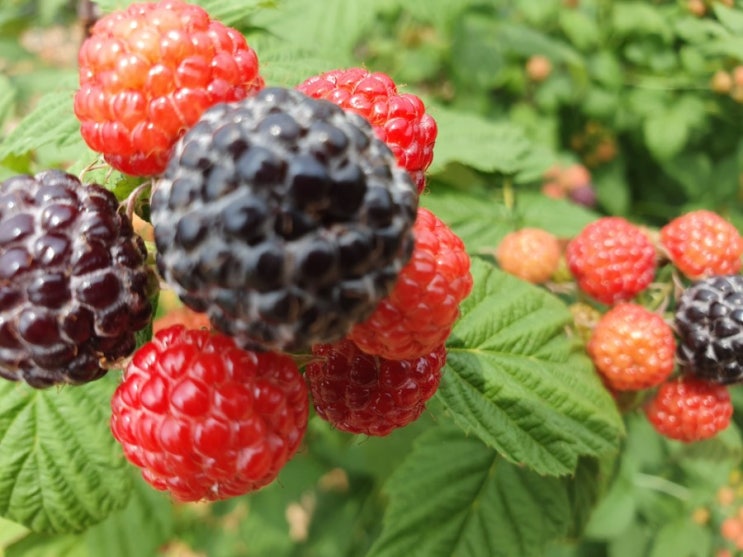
(148, 72)
(721, 82)
(206, 420)
(632, 348)
(531, 254)
(538, 68)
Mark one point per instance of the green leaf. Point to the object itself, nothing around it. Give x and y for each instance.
(482, 144)
(68, 545)
(582, 30)
(513, 378)
(454, 496)
(149, 514)
(52, 121)
(7, 99)
(729, 17)
(615, 512)
(682, 538)
(641, 18)
(60, 468)
(667, 130)
(10, 532)
(287, 65)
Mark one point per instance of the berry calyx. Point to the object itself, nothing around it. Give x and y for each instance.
(206, 420)
(420, 312)
(612, 260)
(75, 287)
(530, 254)
(399, 119)
(702, 244)
(364, 394)
(690, 409)
(148, 72)
(632, 348)
(284, 219)
(709, 322)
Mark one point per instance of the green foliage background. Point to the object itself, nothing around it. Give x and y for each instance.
(522, 452)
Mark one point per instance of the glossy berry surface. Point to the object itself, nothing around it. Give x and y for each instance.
(690, 409)
(206, 420)
(364, 394)
(420, 312)
(148, 72)
(702, 244)
(399, 119)
(530, 254)
(612, 260)
(709, 321)
(74, 284)
(284, 219)
(632, 348)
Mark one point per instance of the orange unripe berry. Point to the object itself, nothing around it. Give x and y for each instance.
(731, 528)
(725, 496)
(554, 190)
(697, 7)
(722, 82)
(531, 254)
(538, 68)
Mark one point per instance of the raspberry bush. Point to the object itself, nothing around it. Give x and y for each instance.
(370, 279)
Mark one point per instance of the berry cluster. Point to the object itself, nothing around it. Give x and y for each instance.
(680, 365)
(284, 220)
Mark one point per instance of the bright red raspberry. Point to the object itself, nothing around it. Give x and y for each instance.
(690, 409)
(612, 260)
(702, 244)
(421, 310)
(205, 419)
(530, 254)
(360, 393)
(632, 348)
(400, 120)
(148, 72)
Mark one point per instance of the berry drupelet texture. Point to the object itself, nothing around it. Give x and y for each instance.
(74, 284)
(399, 119)
(709, 322)
(530, 254)
(148, 72)
(206, 420)
(690, 409)
(632, 348)
(612, 260)
(284, 218)
(420, 312)
(702, 244)
(365, 394)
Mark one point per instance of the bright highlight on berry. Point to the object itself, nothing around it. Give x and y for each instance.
(364, 394)
(74, 282)
(148, 72)
(284, 218)
(206, 420)
(399, 119)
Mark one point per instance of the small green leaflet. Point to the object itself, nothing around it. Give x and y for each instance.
(52, 121)
(470, 139)
(60, 468)
(455, 497)
(513, 378)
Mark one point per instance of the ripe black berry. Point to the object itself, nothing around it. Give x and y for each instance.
(284, 218)
(74, 286)
(709, 320)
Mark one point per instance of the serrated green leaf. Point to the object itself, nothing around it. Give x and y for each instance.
(482, 144)
(60, 468)
(7, 99)
(455, 497)
(52, 121)
(149, 514)
(287, 65)
(234, 12)
(513, 379)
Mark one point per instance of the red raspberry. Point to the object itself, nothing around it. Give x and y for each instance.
(400, 120)
(632, 348)
(146, 75)
(690, 409)
(531, 254)
(419, 313)
(360, 393)
(702, 244)
(204, 419)
(612, 259)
